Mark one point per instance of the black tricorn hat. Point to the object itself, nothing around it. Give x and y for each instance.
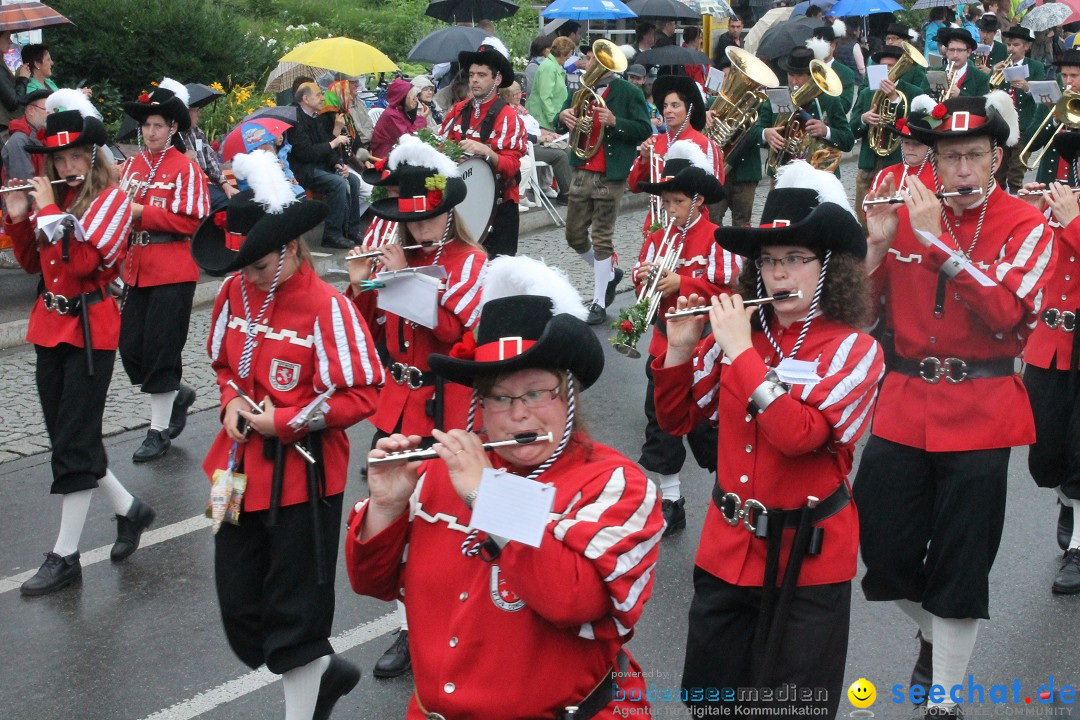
(900, 31)
(491, 54)
(947, 35)
(163, 101)
(418, 172)
(993, 116)
(522, 332)
(797, 61)
(1067, 143)
(68, 129)
(687, 89)
(1068, 57)
(803, 216)
(687, 170)
(1019, 32)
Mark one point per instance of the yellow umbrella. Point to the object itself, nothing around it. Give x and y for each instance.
(343, 55)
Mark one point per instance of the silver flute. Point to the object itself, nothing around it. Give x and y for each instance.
(753, 302)
(257, 409)
(378, 253)
(897, 199)
(28, 186)
(429, 454)
(1046, 191)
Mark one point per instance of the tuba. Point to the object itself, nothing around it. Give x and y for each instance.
(607, 57)
(735, 109)
(1067, 114)
(798, 145)
(884, 144)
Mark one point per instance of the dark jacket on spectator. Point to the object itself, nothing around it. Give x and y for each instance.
(12, 96)
(310, 139)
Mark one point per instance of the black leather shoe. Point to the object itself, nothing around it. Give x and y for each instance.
(54, 574)
(924, 666)
(597, 314)
(339, 678)
(1067, 581)
(395, 661)
(612, 286)
(338, 243)
(674, 515)
(129, 529)
(185, 398)
(562, 199)
(155, 445)
(1064, 525)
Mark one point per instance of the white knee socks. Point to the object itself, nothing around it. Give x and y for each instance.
(302, 688)
(117, 495)
(161, 409)
(922, 618)
(954, 641)
(72, 518)
(601, 277)
(670, 487)
(401, 615)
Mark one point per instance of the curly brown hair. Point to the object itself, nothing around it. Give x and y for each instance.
(845, 296)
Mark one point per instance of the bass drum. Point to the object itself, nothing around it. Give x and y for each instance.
(477, 210)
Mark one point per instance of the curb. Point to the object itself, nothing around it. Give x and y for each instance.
(13, 333)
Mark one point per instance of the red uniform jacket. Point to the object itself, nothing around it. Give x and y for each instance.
(901, 172)
(176, 200)
(91, 265)
(979, 323)
(1052, 348)
(801, 445)
(459, 311)
(311, 337)
(508, 139)
(539, 629)
(705, 268)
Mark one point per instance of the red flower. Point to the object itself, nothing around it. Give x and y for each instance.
(434, 198)
(220, 219)
(901, 124)
(144, 98)
(626, 326)
(938, 112)
(465, 349)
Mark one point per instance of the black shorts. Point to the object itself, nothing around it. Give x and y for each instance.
(1054, 459)
(930, 525)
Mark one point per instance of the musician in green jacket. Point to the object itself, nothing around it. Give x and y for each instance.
(823, 42)
(862, 119)
(967, 81)
(598, 182)
(743, 173)
(988, 27)
(1043, 125)
(1018, 41)
(896, 35)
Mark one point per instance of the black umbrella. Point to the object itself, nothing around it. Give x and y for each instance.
(445, 45)
(128, 126)
(663, 9)
(201, 95)
(454, 11)
(285, 113)
(781, 39)
(672, 55)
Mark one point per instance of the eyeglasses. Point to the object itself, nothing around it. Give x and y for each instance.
(532, 400)
(964, 49)
(37, 107)
(974, 157)
(791, 261)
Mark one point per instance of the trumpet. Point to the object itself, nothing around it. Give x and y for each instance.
(997, 79)
(656, 203)
(950, 80)
(798, 144)
(69, 178)
(607, 57)
(668, 256)
(898, 199)
(752, 302)
(882, 143)
(429, 454)
(1067, 114)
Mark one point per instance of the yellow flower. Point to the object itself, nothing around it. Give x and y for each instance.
(153, 83)
(232, 119)
(217, 86)
(269, 102)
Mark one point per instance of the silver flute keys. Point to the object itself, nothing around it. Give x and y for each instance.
(69, 178)
(429, 454)
(897, 199)
(753, 302)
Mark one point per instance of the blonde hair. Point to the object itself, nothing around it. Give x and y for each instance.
(460, 231)
(102, 175)
(563, 47)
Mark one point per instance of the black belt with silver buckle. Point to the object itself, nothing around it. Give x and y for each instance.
(413, 377)
(1055, 319)
(145, 237)
(754, 515)
(62, 305)
(954, 370)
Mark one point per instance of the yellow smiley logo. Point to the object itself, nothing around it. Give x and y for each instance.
(862, 693)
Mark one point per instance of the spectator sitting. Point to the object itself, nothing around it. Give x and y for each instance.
(12, 88)
(556, 158)
(403, 115)
(452, 94)
(358, 111)
(548, 96)
(40, 62)
(540, 49)
(317, 163)
(198, 148)
(425, 93)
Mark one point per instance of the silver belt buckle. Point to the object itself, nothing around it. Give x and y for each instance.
(56, 303)
(930, 370)
(955, 370)
(140, 237)
(408, 375)
(743, 511)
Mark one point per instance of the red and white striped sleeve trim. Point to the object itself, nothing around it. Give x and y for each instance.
(107, 223)
(344, 351)
(846, 393)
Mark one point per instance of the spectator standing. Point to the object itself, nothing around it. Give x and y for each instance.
(733, 37)
(665, 33)
(540, 49)
(12, 88)
(26, 132)
(549, 92)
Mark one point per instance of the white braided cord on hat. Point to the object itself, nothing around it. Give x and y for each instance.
(686, 121)
(249, 333)
(470, 547)
(492, 91)
(982, 210)
(809, 313)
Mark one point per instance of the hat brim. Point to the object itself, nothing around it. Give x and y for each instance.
(267, 235)
(567, 343)
(666, 84)
(995, 128)
(491, 58)
(957, 34)
(172, 109)
(93, 133)
(387, 209)
(690, 181)
(786, 66)
(1014, 34)
(828, 227)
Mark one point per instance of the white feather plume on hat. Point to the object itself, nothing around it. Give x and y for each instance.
(999, 102)
(496, 44)
(507, 276)
(263, 173)
(800, 174)
(411, 150)
(687, 150)
(177, 89)
(839, 28)
(922, 103)
(68, 99)
(819, 46)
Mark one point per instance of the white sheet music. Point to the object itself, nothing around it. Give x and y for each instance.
(412, 293)
(780, 99)
(1045, 92)
(512, 507)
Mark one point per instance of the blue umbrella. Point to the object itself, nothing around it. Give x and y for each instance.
(588, 10)
(847, 8)
(800, 9)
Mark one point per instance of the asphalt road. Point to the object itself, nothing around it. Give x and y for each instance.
(143, 639)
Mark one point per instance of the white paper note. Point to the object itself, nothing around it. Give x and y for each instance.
(412, 293)
(715, 79)
(934, 60)
(936, 80)
(780, 98)
(1016, 72)
(53, 227)
(965, 264)
(875, 74)
(797, 372)
(983, 49)
(1045, 92)
(512, 507)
